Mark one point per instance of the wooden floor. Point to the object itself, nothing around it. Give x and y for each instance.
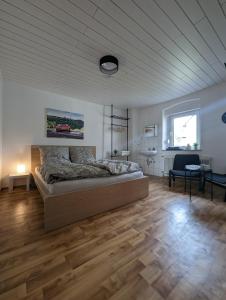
(162, 247)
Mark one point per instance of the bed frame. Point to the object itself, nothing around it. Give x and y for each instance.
(60, 210)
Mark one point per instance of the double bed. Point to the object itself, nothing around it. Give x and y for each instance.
(71, 200)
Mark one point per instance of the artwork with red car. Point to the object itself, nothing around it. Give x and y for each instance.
(63, 127)
(62, 124)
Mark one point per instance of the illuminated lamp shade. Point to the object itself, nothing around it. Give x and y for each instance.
(21, 168)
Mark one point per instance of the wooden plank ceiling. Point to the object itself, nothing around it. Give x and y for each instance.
(166, 48)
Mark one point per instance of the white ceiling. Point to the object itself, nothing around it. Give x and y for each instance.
(166, 48)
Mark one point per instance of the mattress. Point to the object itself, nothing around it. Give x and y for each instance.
(82, 184)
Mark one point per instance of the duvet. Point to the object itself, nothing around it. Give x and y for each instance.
(55, 169)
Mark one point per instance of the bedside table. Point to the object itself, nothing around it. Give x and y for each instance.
(12, 177)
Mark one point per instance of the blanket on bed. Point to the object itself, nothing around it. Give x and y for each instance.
(115, 167)
(55, 169)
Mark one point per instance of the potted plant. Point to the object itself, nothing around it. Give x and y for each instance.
(115, 152)
(195, 145)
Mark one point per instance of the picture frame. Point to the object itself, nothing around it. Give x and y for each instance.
(63, 124)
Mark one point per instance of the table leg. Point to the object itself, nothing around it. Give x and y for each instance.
(211, 186)
(200, 182)
(190, 185)
(203, 180)
(28, 183)
(10, 185)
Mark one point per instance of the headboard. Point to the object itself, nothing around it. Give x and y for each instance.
(35, 154)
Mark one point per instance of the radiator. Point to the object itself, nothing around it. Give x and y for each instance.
(168, 162)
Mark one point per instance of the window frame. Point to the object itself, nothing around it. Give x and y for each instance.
(170, 126)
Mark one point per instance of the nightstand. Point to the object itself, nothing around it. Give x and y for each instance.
(12, 177)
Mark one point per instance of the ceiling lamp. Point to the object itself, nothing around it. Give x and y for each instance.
(108, 64)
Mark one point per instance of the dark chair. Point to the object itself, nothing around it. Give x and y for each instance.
(180, 161)
(217, 179)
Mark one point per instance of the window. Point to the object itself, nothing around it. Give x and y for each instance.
(183, 129)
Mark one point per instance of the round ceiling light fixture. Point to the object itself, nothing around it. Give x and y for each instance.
(109, 64)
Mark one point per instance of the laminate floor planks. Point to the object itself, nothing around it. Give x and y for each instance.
(161, 247)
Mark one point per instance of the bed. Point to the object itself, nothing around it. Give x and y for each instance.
(70, 201)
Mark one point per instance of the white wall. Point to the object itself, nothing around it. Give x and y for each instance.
(24, 123)
(1, 124)
(212, 102)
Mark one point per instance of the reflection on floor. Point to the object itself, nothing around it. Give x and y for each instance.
(163, 247)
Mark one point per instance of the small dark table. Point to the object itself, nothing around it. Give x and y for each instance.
(204, 172)
(195, 168)
(192, 168)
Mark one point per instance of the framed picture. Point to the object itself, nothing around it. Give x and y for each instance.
(62, 124)
(150, 131)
